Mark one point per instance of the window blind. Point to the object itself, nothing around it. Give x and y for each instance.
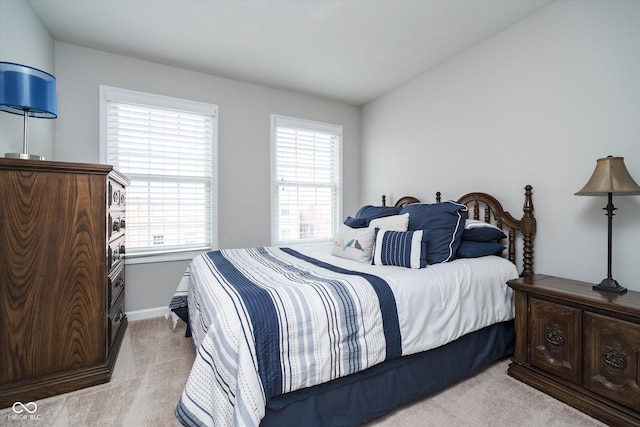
(306, 183)
(168, 155)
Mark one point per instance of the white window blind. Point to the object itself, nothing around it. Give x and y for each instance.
(166, 149)
(306, 190)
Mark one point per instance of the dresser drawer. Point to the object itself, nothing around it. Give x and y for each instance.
(116, 224)
(115, 254)
(556, 338)
(117, 317)
(116, 195)
(116, 284)
(611, 350)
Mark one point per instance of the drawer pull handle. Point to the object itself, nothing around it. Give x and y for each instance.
(615, 360)
(119, 316)
(554, 336)
(553, 351)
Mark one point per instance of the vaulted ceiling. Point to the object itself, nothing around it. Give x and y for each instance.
(347, 50)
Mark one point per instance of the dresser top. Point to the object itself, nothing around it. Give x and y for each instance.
(581, 293)
(60, 167)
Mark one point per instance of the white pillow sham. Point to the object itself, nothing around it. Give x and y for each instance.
(354, 243)
(393, 222)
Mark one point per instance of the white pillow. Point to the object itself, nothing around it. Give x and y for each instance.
(354, 243)
(393, 222)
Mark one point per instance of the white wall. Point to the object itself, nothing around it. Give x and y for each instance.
(535, 104)
(243, 144)
(24, 40)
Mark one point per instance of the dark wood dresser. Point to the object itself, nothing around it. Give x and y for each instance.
(61, 276)
(579, 345)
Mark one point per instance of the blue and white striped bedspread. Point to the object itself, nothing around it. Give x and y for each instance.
(271, 320)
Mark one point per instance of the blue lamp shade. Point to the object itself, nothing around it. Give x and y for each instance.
(25, 89)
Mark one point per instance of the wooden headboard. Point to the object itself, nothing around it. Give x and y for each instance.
(493, 213)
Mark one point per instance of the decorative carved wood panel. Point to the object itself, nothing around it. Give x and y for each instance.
(556, 339)
(611, 366)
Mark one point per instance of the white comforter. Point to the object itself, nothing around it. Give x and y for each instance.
(442, 302)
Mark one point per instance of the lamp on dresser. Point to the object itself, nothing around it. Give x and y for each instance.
(610, 177)
(29, 92)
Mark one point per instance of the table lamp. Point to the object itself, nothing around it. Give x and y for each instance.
(29, 92)
(610, 177)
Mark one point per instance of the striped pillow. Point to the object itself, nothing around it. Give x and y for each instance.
(400, 248)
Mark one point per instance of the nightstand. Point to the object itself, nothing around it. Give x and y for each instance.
(579, 345)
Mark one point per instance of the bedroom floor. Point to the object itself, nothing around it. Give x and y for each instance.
(155, 360)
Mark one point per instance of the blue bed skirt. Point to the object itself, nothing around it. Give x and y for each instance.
(369, 394)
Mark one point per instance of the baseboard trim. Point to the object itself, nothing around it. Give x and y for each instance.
(148, 313)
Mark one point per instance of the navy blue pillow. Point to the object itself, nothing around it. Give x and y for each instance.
(442, 223)
(480, 231)
(471, 249)
(356, 222)
(370, 212)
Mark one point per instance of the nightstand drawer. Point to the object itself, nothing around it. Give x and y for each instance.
(612, 346)
(556, 338)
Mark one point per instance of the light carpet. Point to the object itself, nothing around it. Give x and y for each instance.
(155, 360)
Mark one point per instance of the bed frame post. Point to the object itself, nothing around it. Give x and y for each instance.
(528, 230)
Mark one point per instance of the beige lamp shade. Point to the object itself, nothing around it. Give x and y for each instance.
(610, 176)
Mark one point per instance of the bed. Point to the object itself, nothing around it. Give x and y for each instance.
(408, 300)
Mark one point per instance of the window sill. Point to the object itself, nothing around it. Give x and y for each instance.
(166, 257)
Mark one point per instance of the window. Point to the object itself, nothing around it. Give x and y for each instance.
(167, 149)
(306, 174)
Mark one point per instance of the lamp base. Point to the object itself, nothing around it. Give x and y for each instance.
(610, 285)
(24, 156)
